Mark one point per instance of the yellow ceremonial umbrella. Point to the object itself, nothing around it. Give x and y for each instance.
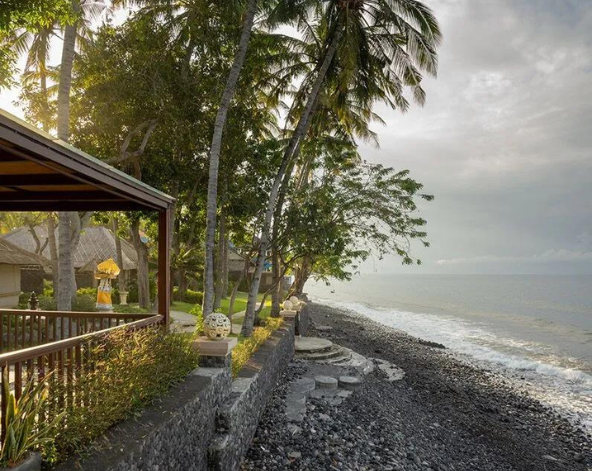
(106, 271)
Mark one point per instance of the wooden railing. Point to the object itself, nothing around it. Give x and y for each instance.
(67, 360)
(24, 329)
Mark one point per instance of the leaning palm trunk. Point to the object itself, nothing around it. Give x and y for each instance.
(294, 145)
(208, 301)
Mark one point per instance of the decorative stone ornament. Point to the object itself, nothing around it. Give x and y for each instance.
(294, 300)
(287, 305)
(217, 326)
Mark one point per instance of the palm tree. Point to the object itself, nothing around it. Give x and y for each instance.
(214, 158)
(370, 50)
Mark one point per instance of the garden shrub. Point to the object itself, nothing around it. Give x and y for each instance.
(84, 303)
(199, 319)
(92, 292)
(47, 288)
(245, 349)
(130, 369)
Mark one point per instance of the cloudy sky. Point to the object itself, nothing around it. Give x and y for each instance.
(504, 141)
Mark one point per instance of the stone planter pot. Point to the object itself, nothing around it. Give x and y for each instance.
(123, 298)
(32, 463)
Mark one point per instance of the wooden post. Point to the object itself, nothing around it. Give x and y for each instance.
(164, 280)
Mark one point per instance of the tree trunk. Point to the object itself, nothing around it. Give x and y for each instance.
(220, 262)
(65, 263)
(143, 279)
(68, 53)
(53, 253)
(302, 274)
(212, 204)
(66, 269)
(122, 278)
(295, 142)
(225, 266)
(276, 294)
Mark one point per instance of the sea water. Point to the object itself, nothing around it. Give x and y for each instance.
(536, 330)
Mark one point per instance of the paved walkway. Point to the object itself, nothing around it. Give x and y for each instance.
(184, 322)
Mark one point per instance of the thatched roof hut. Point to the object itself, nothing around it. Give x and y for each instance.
(97, 243)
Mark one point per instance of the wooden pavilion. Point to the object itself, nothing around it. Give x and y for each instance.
(41, 173)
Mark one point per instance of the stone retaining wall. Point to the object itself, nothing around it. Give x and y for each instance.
(207, 423)
(237, 420)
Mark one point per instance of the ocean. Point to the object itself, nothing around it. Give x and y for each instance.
(536, 330)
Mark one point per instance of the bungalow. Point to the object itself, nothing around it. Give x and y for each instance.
(12, 258)
(97, 243)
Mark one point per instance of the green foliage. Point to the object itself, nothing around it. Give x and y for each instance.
(130, 369)
(193, 297)
(245, 349)
(84, 303)
(24, 432)
(29, 15)
(48, 288)
(87, 292)
(199, 319)
(127, 309)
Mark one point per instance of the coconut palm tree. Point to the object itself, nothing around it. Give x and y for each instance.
(369, 51)
(214, 157)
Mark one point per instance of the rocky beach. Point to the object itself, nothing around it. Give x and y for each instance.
(442, 414)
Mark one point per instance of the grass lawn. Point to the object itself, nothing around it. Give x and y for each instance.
(240, 303)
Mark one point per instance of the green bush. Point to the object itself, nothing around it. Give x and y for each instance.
(87, 292)
(245, 349)
(48, 288)
(47, 303)
(84, 303)
(192, 297)
(199, 319)
(130, 369)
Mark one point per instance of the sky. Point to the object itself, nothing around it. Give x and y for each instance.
(504, 142)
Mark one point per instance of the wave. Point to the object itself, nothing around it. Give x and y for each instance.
(567, 389)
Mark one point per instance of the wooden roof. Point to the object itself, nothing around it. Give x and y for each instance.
(96, 245)
(10, 254)
(41, 173)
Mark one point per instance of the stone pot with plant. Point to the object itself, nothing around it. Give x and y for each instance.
(24, 432)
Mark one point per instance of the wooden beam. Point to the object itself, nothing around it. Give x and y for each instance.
(23, 167)
(58, 188)
(25, 196)
(70, 205)
(36, 179)
(164, 279)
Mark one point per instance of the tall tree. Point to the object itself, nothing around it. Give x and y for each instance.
(214, 157)
(370, 48)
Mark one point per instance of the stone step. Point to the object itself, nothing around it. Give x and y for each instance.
(311, 344)
(325, 382)
(331, 352)
(349, 382)
(344, 357)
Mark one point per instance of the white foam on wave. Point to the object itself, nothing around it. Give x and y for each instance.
(566, 389)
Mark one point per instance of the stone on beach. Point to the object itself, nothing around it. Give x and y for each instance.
(325, 382)
(349, 382)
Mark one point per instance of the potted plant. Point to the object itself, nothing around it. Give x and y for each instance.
(24, 432)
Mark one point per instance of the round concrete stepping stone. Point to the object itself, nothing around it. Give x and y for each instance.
(349, 382)
(311, 344)
(325, 382)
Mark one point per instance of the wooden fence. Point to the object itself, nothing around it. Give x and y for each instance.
(68, 358)
(24, 329)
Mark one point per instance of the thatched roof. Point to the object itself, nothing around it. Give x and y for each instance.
(10, 254)
(97, 243)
